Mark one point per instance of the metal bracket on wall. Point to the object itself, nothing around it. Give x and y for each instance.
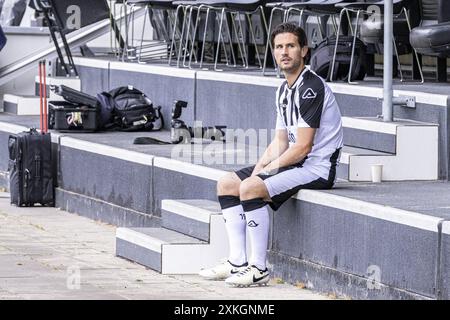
(404, 101)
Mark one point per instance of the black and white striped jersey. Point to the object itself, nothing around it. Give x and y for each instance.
(310, 103)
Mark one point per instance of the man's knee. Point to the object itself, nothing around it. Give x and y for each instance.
(252, 188)
(228, 184)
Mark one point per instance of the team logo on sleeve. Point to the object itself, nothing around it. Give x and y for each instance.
(309, 94)
(291, 137)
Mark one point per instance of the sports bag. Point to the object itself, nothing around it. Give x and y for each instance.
(129, 109)
(322, 59)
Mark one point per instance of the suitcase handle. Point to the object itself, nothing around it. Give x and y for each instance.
(37, 163)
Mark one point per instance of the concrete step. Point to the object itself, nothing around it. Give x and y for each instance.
(343, 171)
(398, 143)
(21, 105)
(369, 134)
(171, 252)
(149, 247)
(189, 217)
(375, 134)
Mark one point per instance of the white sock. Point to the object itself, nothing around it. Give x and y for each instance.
(235, 225)
(258, 231)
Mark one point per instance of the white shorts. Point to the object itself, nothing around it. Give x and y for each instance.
(287, 181)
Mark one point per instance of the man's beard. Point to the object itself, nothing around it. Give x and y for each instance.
(296, 65)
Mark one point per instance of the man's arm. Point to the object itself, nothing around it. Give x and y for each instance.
(310, 110)
(297, 152)
(278, 146)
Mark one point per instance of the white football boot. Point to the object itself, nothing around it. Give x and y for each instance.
(250, 276)
(221, 271)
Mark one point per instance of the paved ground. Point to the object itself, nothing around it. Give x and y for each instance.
(46, 253)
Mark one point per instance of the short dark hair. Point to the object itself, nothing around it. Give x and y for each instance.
(289, 27)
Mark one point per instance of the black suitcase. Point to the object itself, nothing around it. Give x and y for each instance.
(75, 96)
(68, 117)
(30, 169)
(322, 57)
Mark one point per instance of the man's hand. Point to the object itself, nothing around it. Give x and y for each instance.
(277, 147)
(297, 152)
(258, 168)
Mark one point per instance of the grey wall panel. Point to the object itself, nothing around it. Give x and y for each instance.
(235, 105)
(331, 281)
(445, 266)
(342, 171)
(93, 80)
(10, 107)
(358, 106)
(103, 211)
(119, 182)
(184, 225)
(162, 90)
(353, 243)
(176, 185)
(370, 140)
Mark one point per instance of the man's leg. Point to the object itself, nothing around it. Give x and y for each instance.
(233, 214)
(253, 194)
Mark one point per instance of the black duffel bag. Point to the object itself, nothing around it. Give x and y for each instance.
(129, 109)
(322, 59)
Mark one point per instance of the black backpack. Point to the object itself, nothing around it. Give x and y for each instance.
(129, 109)
(322, 57)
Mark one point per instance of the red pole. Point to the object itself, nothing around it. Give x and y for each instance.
(45, 120)
(40, 96)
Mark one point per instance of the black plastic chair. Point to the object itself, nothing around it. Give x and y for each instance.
(406, 15)
(158, 48)
(183, 9)
(432, 37)
(302, 8)
(330, 8)
(400, 8)
(222, 8)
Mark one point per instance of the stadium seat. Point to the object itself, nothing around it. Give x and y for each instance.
(406, 17)
(432, 37)
(224, 8)
(304, 7)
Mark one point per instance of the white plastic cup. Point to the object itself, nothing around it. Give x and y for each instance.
(377, 172)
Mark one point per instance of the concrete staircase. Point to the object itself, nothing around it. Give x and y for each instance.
(407, 150)
(192, 235)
